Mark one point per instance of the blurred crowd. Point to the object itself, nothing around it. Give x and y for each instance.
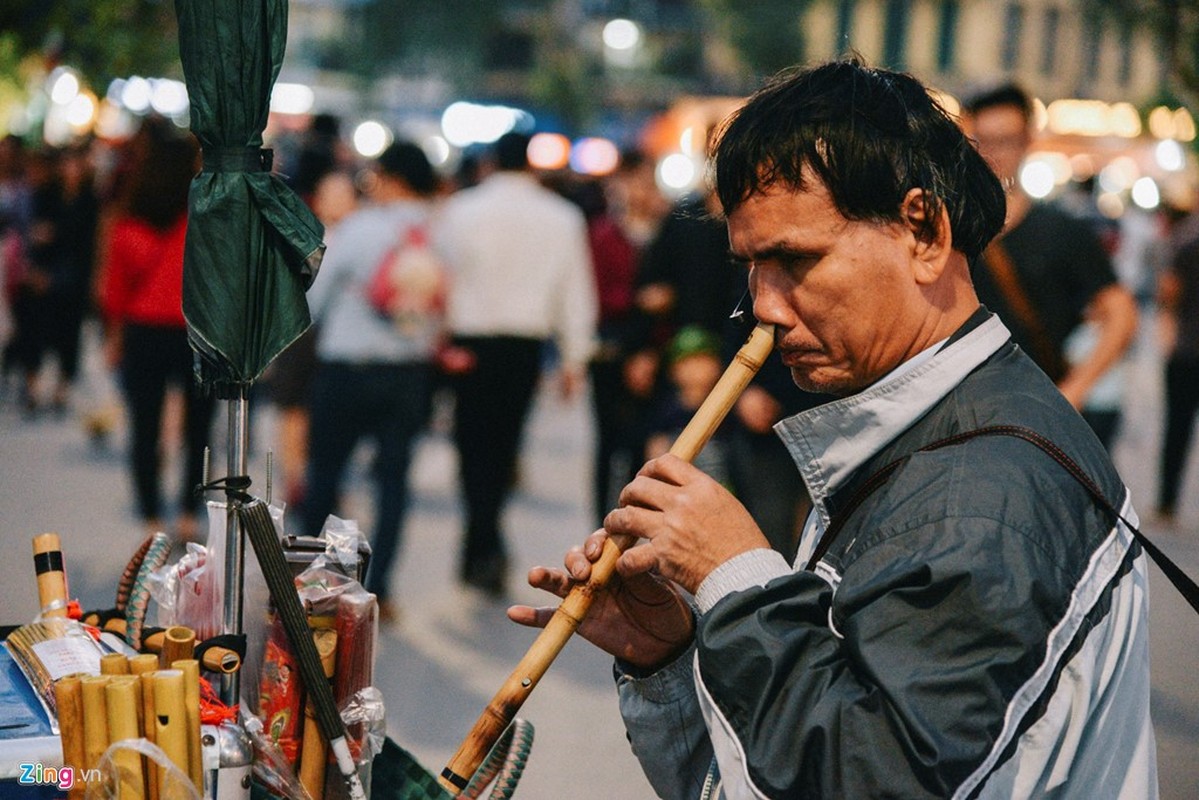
(458, 292)
(603, 281)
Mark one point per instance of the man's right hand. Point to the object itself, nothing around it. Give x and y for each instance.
(642, 619)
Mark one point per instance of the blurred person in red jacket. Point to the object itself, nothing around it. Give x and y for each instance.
(141, 292)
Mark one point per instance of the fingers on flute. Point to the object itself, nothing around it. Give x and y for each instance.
(667, 468)
(578, 566)
(631, 520)
(593, 545)
(658, 483)
(530, 616)
(554, 581)
(636, 561)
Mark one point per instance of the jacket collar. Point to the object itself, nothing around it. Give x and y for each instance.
(830, 442)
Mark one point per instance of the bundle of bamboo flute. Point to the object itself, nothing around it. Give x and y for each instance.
(132, 698)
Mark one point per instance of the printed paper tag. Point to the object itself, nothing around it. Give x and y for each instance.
(68, 655)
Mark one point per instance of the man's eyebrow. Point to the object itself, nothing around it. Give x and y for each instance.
(779, 250)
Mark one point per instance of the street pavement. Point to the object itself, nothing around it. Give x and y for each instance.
(452, 648)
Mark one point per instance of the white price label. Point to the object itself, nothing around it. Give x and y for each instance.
(67, 656)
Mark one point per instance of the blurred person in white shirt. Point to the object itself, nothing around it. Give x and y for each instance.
(520, 276)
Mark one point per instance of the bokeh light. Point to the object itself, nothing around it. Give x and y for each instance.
(437, 149)
(371, 138)
(1110, 205)
(549, 151)
(594, 156)
(81, 111)
(1036, 177)
(622, 34)
(168, 97)
(677, 173)
(292, 98)
(1146, 194)
(135, 94)
(464, 124)
(1169, 155)
(1119, 175)
(64, 86)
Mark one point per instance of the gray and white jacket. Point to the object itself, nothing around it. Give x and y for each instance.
(978, 629)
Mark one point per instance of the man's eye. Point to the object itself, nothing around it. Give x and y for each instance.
(797, 262)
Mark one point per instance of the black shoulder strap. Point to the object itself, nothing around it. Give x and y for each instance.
(1182, 582)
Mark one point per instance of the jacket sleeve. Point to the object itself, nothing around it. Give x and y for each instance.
(336, 267)
(899, 686)
(665, 727)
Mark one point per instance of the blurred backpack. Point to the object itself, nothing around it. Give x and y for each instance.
(408, 286)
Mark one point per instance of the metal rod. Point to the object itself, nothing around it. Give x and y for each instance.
(270, 474)
(235, 539)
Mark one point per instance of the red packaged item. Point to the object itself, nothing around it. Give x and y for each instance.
(281, 694)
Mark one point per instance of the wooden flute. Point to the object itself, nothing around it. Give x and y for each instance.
(500, 712)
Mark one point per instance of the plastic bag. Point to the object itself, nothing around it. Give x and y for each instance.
(366, 723)
(272, 770)
(115, 770)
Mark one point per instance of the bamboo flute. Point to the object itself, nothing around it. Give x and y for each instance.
(51, 575)
(95, 719)
(114, 664)
(121, 697)
(191, 700)
(170, 719)
(213, 659)
(144, 666)
(68, 696)
(314, 750)
(178, 644)
(500, 712)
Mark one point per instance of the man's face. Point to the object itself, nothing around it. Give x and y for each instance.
(840, 293)
(1002, 137)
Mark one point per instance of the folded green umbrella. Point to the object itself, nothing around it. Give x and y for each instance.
(253, 247)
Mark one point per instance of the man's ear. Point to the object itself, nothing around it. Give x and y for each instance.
(931, 232)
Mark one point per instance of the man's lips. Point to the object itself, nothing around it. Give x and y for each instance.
(798, 357)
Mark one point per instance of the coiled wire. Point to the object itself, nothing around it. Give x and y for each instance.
(505, 764)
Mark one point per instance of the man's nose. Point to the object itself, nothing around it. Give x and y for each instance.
(770, 302)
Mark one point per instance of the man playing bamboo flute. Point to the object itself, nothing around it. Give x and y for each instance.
(968, 623)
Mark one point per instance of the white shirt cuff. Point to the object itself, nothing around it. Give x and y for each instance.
(752, 568)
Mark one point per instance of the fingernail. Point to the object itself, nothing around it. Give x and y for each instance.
(590, 549)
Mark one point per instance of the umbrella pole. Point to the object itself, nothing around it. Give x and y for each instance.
(235, 543)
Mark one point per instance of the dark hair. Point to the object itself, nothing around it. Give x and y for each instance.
(586, 193)
(1005, 94)
(870, 136)
(512, 151)
(318, 153)
(406, 161)
(631, 159)
(326, 125)
(163, 174)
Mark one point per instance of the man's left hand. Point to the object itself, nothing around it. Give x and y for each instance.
(643, 620)
(691, 522)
